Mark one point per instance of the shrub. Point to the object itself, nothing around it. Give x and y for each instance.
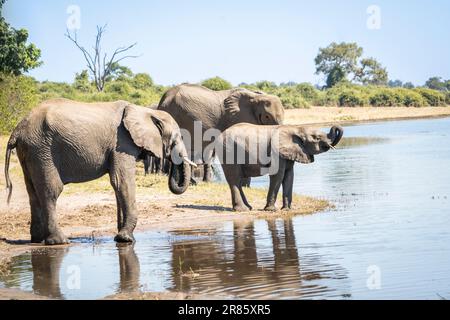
(447, 97)
(18, 95)
(386, 97)
(432, 97)
(412, 98)
(294, 101)
(142, 81)
(352, 98)
(216, 84)
(308, 92)
(121, 88)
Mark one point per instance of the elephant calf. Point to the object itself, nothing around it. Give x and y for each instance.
(249, 150)
(64, 142)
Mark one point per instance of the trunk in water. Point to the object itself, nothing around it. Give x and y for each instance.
(179, 177)
(335, 135)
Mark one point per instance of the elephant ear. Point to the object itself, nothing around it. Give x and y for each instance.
(238, 99)
(143, 128)
(289, 144)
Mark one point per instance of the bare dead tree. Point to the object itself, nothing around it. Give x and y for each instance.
(98, 63)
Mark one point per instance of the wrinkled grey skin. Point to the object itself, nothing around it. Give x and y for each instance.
(64, 142)
(220, 110)
(293, 144)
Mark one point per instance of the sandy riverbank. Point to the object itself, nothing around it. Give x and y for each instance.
(322, 115)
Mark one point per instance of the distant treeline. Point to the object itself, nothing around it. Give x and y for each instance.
(18, 94)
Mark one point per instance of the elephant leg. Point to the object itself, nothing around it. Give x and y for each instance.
(288, 182)
(156, 165)
(274, 188)
(147, 163)
(244, 198)
(207, 172)
(232, 175)
(122, 176)
(246, 182)
(119, 213)
(37, 229)
(48, 187)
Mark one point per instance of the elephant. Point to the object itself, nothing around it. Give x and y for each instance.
(63, 141)
(240, 155)
(220, 110)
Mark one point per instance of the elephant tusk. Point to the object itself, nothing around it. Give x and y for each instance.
(332, 147)
(190, 162)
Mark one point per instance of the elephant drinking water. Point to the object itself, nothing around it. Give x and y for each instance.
(64, 142)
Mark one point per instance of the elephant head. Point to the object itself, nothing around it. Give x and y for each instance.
(157, 132)
(301, 144)
(255, 107)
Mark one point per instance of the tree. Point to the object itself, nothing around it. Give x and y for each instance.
(16, 56)
(82, 82)
(395, 83)
(436, 83)
(265, 85)
(408, 85)
(98, 63)
(335, 76)
(371, 72)
(339, 61)
(216, 84)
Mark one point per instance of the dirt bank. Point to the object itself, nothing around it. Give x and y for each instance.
(322, 115)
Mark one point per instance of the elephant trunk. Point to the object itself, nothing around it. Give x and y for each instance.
(179, 171)
(335, 135)
(179, 177)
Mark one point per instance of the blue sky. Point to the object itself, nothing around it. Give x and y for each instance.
(241, 41)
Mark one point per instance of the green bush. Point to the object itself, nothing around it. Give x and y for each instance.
(447, 97)
(412, 98)
(294, 101)
(18, 95)
(386, 97)
(308, 92)
(432, 97)
(216, 84)
(352, 98)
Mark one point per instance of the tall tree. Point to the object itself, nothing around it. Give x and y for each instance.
(371, 72)
(99, 65)
(338, 60)
(16, 56)
(341, 61)
(437, 83)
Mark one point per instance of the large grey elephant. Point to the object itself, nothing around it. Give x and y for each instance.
(64, 142)
(220, 110)
(251, 151)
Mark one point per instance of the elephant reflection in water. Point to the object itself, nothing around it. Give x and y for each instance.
(129, 268)
(220, 267)
(46, 267)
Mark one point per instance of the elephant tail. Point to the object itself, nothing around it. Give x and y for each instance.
(12, 144)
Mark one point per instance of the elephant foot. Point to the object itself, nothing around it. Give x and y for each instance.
(37, 236)
(270, 208)
(57, 238)
(286, 208)
(241, 208)
(124, 237)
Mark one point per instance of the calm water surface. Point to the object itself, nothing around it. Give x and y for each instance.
(388, 238)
